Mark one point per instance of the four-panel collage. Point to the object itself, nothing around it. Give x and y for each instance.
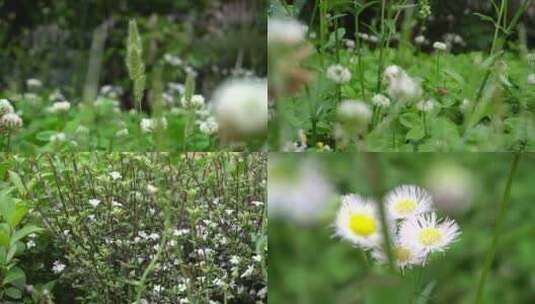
(267, 151)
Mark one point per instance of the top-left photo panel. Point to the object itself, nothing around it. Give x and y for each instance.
(123, 75)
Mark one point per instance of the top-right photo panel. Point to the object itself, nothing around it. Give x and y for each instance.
(401, 75)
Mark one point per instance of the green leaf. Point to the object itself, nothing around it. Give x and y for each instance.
(14, 293)
(14, 274)
(21, 233)
(7, 206)
(17, 182)
(410, 120)
(415, 134)
(4, 238)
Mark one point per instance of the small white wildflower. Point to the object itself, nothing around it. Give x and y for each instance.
(115, 175)
(94, 202)
(235, 260)
(58, 137)
(425, 106)
(5, 107)
(357, 221)
(209, 126)
(151, 189)
(405, 256)
(400, 85)
(440, 46)
(354, 113)
(172, 59)
(34, 83)
(241, 108)
(58, 267)
(257, 203)
(425, 232)
(148, 125)
(420, 39)
(248, 272)
(285, 31)
(338, 74)
(10, 121)
(350, 44)
(30, 244)
(407, 200)
(381, 101)
(60, 106)
(158, 288)
(195, 102)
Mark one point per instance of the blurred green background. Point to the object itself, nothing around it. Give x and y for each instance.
(309, 265)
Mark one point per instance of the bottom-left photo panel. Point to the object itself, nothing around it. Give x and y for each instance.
(133, 228)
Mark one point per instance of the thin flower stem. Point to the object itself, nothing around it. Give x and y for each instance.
(491, 253)
(381, 47)
(374, 176)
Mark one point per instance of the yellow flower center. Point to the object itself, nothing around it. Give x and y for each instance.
(405, 206)
(402, 254)
(429, 236)
(362, 224)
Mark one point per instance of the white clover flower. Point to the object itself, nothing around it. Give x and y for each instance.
(440, 46)
(33, 82)
(149, 125)
(10, 121)
(355, 113)
(408, 200)
(338, 74)
(94, 202)
(405, 256)
(452, 187)
(400, 85)
(58, 137)
(531, 79)
(285, 31)
(58, 267)
(381, 101)
(115, 175)
(425, 232)
(358, 222)
(5, 107)
(420, 39)
(195, 102)
(209, 126)
(241, 107)
(350, 44)
(425, 106)
(60, 106)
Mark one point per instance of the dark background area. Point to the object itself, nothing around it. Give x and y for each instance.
(51, 39)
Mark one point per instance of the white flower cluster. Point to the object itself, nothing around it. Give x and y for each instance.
(9, 120)
(413, 226)
(338, 74)
(400, 85)
(149, 125)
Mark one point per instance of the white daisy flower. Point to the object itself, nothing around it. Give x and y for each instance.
(405, 256)
(407, 200)
(94, 202)
(425, 232)
(338, 73)
(358, 221)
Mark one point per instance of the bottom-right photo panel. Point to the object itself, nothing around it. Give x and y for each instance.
(401, 227)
